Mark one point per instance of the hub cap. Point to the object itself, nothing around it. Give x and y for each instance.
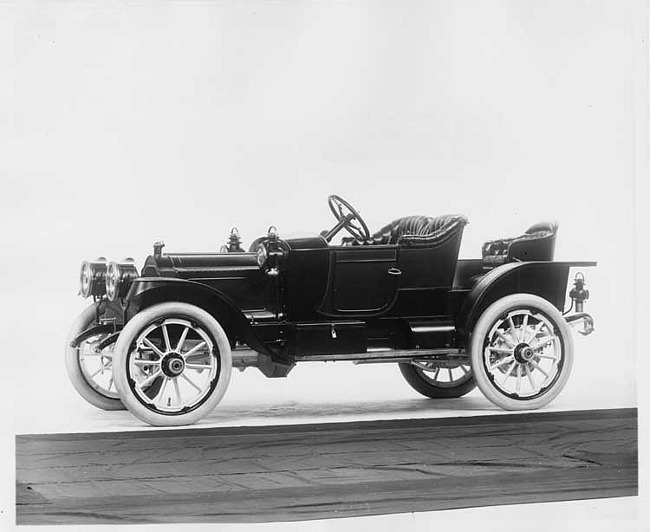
(172, 365)
(523, 355)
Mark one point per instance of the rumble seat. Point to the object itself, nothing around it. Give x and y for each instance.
(537, 243)
(420, 231)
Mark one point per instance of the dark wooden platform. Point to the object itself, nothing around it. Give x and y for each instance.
(283, 473)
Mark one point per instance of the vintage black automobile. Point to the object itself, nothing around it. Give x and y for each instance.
(163, 342)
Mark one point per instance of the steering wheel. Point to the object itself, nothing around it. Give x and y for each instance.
(346, 218)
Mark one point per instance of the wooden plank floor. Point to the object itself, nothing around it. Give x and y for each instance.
(285, 473)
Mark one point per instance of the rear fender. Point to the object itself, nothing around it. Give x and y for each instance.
(547, 280)
(149, 291)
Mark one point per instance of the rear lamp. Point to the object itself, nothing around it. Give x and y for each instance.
(119, 276)
(92, 277)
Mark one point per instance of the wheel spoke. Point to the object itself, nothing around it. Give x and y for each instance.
(524, 327)
(194, 349)
(530, 378)
(168, 345)
(505, 338)
(191, 383)
(100, 370)
(547, 356)
(178, 392)
(507, 373)
(161, 392)
(518, 387)
(501, 362)
(513, 329)
(153, 347)
(149, 380)
(465, 370)
(198, 366)
(539, 368)
(181, 341)
(110, 383)
(542, 342)
(451, 375)
(141, 362)
(536, 330)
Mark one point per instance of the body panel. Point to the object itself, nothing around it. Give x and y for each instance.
(345, 299)
(149, 291)
(544, 279)
(236, 275)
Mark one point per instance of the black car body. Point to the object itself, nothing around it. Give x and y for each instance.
(398, 295)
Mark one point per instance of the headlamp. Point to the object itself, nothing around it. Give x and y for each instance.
(92, 277)
(119, 276)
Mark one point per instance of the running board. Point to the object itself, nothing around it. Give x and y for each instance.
(381, 355)
(245, 358)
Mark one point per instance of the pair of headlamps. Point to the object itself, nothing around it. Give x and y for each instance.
(100, 277)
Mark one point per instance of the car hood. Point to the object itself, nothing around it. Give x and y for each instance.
(199, 265)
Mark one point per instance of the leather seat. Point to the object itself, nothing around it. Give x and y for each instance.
(418, 230)
(537, 243)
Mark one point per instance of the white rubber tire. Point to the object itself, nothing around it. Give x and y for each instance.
(477, 342)
(72, 365)
(131, 332)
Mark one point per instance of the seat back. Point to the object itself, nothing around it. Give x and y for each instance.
(421, 231)
(536, 244)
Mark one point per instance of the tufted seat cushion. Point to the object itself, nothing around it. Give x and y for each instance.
(420, 230)
(537, 243)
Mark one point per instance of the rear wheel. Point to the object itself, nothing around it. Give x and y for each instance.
(172, 364)
(438, 382)
(521, 352)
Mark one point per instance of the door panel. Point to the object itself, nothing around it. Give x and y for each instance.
(427, 276)
(359, 281)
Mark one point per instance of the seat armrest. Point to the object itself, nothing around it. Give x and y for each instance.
(496, 247)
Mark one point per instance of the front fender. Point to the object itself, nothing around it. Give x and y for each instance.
(102, 328)
(149, 291)
(547, 280)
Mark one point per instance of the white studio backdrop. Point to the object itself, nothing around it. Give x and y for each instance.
(123, 123)
(126, 123)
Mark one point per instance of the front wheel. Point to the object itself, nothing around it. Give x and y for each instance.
(172, 364)
(521, 352)
(89, 368)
